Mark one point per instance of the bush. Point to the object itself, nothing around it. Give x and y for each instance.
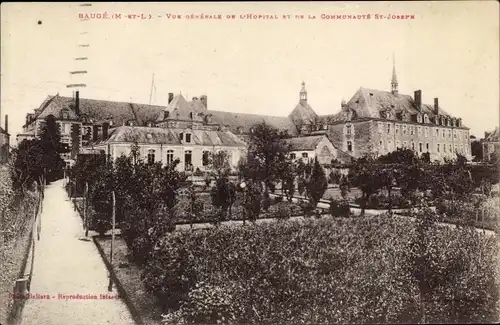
(282, 211)
(277, 199)
(326, 271)
(339, 208)
(198, 172)
(381, 201)
(206, 304)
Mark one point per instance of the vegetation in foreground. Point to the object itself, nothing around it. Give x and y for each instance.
(365, 270)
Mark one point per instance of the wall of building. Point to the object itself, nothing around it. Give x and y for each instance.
(383, 136)
(489, 148)
(161, 151)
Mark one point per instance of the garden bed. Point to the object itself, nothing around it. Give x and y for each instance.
(317, 271)
(128, 274)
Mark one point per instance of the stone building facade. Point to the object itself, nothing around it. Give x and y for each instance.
(4, 142)
(491, 144)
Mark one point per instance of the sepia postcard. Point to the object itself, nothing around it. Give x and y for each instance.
(344, 171)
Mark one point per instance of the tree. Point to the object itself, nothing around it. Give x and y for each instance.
(26, 164)
(223, 196)
(266, 153)
(477, 150)
(316, 184)
(50, 140)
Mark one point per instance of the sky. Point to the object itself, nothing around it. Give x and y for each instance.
(450, 51)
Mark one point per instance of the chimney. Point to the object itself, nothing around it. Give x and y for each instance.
(105, 128)
(418, 99)
(203, 99)
(6, 123)
(436, 106)
(95, 132)
(170, 97)
(77, 103)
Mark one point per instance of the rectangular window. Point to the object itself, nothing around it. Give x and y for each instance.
(444, 147)
(348, 129)
(151, 156)
(380, 127)
(304, 155)
(292, 156)
(426, 132)
(404, 129)
(455, 134)
(449, 134)
(389, 146)
(405, 144)
(427, 147)
(397, 129)
(205, 158)
(444, 133)
(420, 147)
(349, 146)
(450, 148)
(188, 137)
(188, 160)
(413, 146)
(388, 128)
(419, 130)
(437, 132)
(438, 148)
(411, 130)
(170, 156)
(181, 136)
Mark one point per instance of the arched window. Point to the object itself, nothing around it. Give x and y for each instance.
(426, 118)
(151, 156)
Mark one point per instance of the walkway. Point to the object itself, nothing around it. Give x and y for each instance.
(66, 265)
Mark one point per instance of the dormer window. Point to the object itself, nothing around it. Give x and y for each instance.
(181, 136)
(419, 118)
(426, 118)
(188, 137)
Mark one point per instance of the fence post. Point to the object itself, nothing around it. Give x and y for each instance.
(85, 218)
(110, 286)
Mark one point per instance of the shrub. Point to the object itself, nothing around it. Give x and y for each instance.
(282, 211)
(206, 304)
(198, 172)
(327, 271)
(339, 208)
(277, 199)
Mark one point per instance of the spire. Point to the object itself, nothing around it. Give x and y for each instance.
(394, 81)
(303, 93)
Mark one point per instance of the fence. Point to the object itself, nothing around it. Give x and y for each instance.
(23, 283)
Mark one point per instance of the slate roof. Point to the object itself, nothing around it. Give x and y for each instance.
(100, 110)
(369, 103)
(156, 135)
(246, 121)
(493, 136)
(303, 143)
(303, 112)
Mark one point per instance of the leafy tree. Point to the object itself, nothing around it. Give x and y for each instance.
(50, 140)
(477, 150)
(266, 154)
(26, 164)
(223, 196)
(316, 184)
(252, 201)
(365, 175)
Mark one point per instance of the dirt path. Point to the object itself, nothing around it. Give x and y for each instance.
(65, 266)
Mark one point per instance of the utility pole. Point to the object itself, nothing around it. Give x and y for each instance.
(110, 285)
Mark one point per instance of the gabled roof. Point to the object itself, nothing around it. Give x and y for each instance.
(245, 121)
(369, 103)
(304, 143)
(493, 136)
(156, 135)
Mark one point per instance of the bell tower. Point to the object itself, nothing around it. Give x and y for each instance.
(303, 93)
(394, 81)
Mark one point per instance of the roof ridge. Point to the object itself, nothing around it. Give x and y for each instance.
(113, 101)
